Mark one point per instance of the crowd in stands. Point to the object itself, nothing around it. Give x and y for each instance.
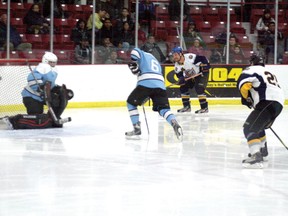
(115, 31)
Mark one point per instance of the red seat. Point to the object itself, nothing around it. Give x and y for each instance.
(34, 38)
(18, 9)
(172, 27)
(63, 38)
(223, 14)
(161, 13)
(218, 27)
(158, 29)
(87, 8)
(27, 5)
(285, 58)
(204, 26)
(196, 13)
(3, 6)
(125, 56)
(75, 8)
(63, 56)
(208, 39)
(27, 54)
(257, 14)
(210, 13)
(244, 42)
(236, 27)
(23, 37)
(62, 25)
(16, 21)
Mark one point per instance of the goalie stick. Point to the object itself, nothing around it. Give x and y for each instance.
(47, 97)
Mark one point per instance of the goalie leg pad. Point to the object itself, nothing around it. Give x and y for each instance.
(59, 100)
(39, 121)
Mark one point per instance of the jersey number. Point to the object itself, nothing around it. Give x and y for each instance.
(154, 66)
(271, 78)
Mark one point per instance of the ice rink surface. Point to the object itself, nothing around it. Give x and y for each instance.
(88, 168)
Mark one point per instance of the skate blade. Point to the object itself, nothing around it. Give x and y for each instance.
(259, 165)
(136, 137)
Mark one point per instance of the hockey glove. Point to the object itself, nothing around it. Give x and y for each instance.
(134, 67)
(247, 102)
(181, 81)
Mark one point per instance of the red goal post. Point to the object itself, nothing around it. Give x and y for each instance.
(13, 78)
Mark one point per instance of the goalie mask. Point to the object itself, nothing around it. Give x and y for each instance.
(49, 58)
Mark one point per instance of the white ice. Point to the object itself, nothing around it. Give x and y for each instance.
(88, 168)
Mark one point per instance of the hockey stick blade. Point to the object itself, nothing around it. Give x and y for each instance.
(64, 120)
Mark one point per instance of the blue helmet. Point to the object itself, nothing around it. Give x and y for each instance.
(177, 49)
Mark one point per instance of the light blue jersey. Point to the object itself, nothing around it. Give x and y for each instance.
(42, 73)
(150, 74)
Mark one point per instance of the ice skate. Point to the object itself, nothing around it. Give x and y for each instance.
(205, 110)
(8, 123)
(254, 162)
(263, 151)
(177, 129)
(184, 109)
(135, 134)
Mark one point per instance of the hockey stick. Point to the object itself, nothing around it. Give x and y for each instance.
(146, 120)
(285, 146)
(145, 114)
(46, 91)
(186, 79)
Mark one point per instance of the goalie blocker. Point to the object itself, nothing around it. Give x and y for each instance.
(58, 102)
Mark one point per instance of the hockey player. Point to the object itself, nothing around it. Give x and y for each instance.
(187, 66)
(150, 85)
(43, 75)
(259, 90)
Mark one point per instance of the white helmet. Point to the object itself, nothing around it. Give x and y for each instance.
(49, 57)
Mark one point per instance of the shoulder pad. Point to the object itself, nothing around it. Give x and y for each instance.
(45, 68)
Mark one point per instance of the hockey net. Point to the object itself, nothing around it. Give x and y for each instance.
(13, 78)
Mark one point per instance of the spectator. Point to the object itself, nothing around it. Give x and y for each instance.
(232, 45)
(146, 10)
(237, 56)
(79, 31)
(57, 12)
(112, 8)
(113, 58)
(98, 19)
(268, 43)
(104, 50)
(15, 39)
(174, 10)
(152, 47)
(83, 52)
(196, 48)
(36, 23)
(215, 57)
(126, 39)
(124, 17)
(262, 24)
(107, 31)
(191, 34)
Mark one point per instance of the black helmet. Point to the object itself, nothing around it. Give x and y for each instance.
(257, 60)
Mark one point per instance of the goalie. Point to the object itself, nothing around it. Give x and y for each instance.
(41, 90)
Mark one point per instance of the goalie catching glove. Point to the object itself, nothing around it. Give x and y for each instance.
(134, 67)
